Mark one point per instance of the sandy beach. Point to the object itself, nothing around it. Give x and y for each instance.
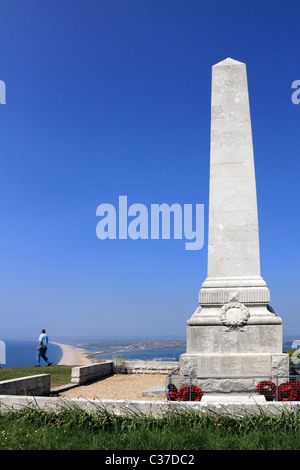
(73, 356)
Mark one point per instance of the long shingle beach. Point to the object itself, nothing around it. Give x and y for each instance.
(73, 356)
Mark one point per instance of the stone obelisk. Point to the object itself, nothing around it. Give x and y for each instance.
(233, 332)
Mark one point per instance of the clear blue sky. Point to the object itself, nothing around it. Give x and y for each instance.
(112, 97)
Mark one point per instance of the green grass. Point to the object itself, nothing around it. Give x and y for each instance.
(75, 429)
(60, 375)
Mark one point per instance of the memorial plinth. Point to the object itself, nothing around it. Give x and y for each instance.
(233, 332)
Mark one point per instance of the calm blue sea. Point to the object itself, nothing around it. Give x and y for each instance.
(21, 353)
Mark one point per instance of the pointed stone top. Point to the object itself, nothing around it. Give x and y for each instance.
(228, 61)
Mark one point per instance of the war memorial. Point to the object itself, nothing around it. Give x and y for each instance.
(234, 332)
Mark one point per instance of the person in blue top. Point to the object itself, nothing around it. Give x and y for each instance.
(42, 349)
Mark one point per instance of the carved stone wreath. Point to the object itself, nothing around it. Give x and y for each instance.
(234, 315)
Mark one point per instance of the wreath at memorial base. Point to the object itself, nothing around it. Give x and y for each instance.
(185, 393)
(266, 388)
(296, 386)
(189, 393)
(287, 391)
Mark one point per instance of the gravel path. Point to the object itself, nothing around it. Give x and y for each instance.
(118, 387)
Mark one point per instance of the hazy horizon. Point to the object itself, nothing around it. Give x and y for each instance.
(89, 339)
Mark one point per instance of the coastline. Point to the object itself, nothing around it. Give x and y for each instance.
(73, 356)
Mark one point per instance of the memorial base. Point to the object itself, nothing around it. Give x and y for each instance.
(234, 341)
(234, 365)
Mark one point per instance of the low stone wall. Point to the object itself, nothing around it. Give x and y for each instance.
(150, 367)
(83, 374)
(37, 385)
(154, 408)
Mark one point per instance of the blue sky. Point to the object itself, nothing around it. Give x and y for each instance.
(112, 97)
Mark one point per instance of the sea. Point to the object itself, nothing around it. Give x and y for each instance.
(22, 353)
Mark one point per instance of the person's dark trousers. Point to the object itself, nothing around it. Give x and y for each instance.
(42, 353)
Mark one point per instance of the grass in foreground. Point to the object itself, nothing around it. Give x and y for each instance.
(75, 429)
(60, 375)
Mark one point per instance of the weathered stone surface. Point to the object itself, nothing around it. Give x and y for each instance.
(83, 374)
(247, 339)
(150, 367)
(152, 408)
(280, 364)
(38, 385)
(228, 364)
(158, 391)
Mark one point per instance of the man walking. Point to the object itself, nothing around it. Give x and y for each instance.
(42, 349)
